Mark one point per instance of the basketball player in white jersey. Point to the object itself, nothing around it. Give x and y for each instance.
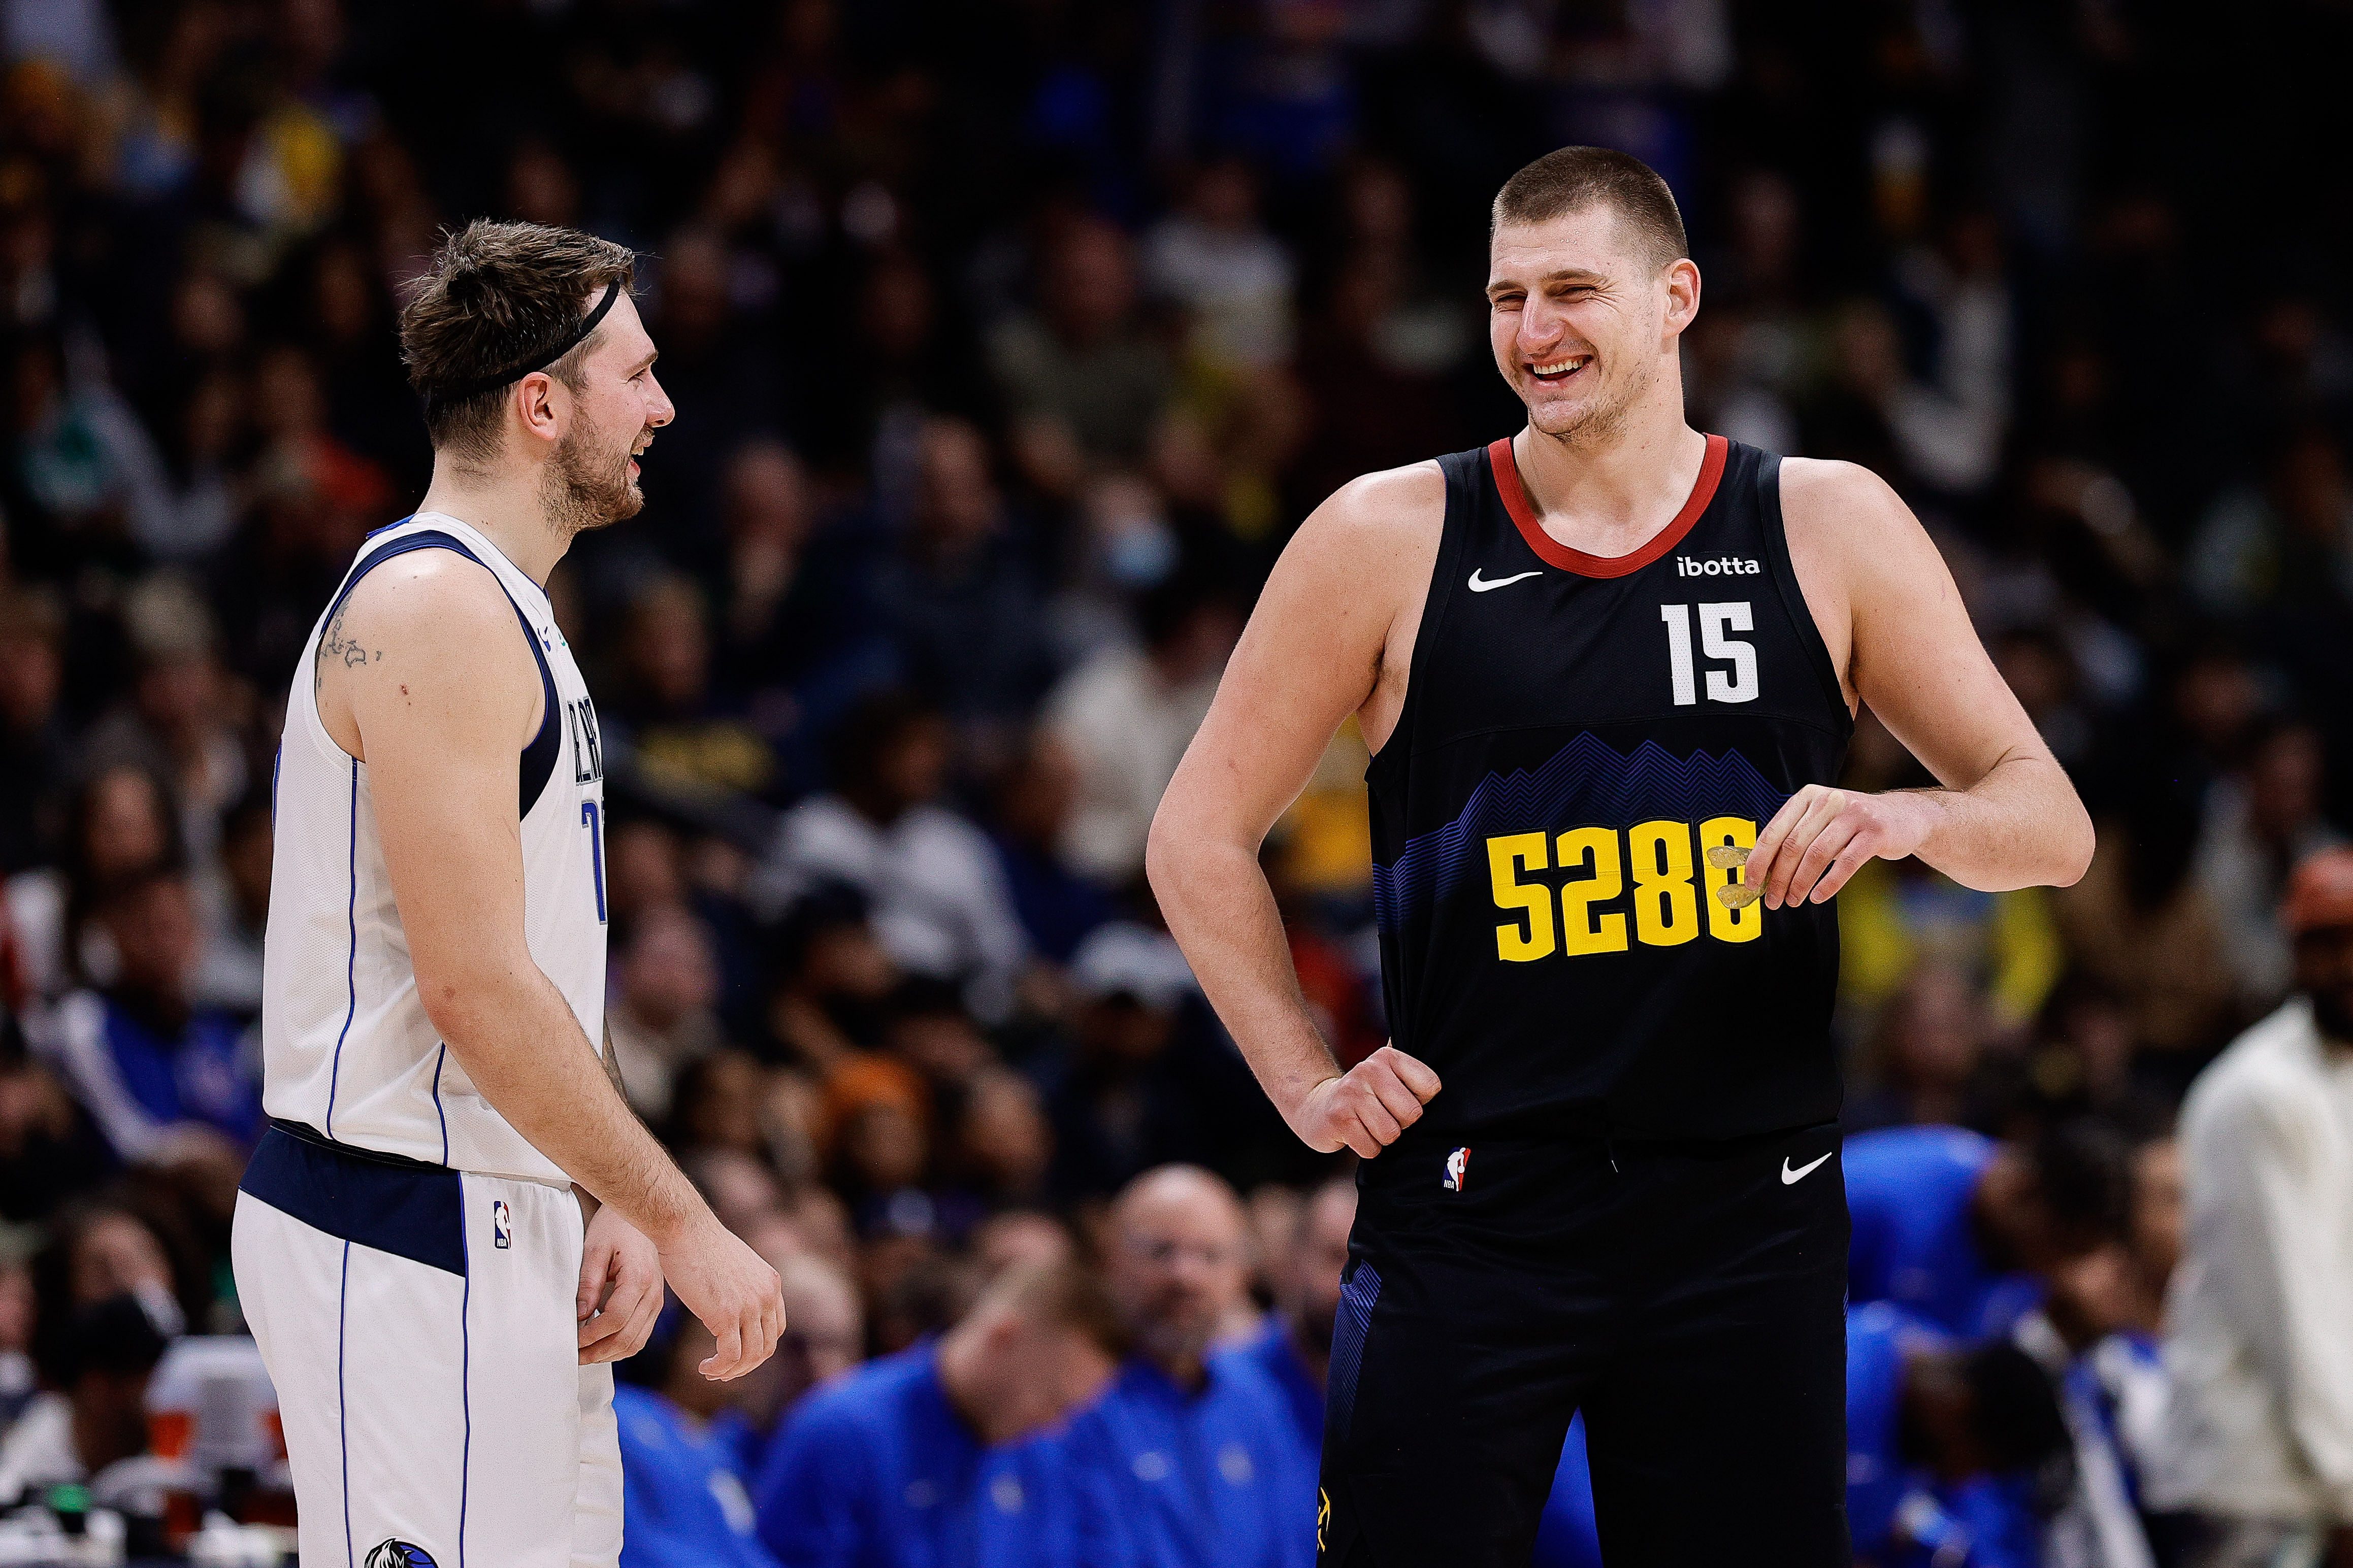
(454, 1222)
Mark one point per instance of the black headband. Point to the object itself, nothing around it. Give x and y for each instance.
(449, 394)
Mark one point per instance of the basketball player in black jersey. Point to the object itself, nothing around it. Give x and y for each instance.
(1600, 664)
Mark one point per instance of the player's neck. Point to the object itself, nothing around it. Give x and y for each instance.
(1610, 496)
(505, 507)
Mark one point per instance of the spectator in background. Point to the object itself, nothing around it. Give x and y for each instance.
(1119, 1103)
(1194, 1453)
(1214, 257)
(831, 978)
(682, 736)
(1082, 385)
(938, 897)
(1294, 1348)
(917, 1459)
(162, 1076)
(36, 756)
(824, 1340)
(2288, 542)
(684, 1499)
(2259, 821)
(1127, 714)
(1948, 1447)
(2259, 1443)
(965, 613)
(1923, 1056)
(662, 1018)
(121, 822)
(1963, 1232)
(1034, 801)
(93, 1423)
(228, 976)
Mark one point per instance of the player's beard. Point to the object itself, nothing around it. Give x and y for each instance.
(1600, 422)
(586, 487)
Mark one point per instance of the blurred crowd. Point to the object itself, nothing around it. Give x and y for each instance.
(1009, 340)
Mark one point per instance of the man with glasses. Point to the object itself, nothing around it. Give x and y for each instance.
(1188, 1458)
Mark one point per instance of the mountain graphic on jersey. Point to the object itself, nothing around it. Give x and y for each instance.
(1586, 781)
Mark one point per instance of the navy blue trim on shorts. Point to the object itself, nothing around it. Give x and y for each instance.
(404, 1207)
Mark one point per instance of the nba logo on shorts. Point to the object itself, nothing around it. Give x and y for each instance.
(500, 1237)
(1458, 1170)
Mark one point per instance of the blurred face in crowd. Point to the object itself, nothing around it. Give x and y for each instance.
(116, 1255)
(2156, 1211)
(1013, 1372)
(16, 1307)
(1310, 1280)
(591, 480)
(738, 1187)
(670, 648)
(2013, 1219)
(1089, 281)
(913, 767)
(718, 1103)
(155, 936)
(1008, 1239)
(30, 674)
(1583, 322)
(956, 498)
(1177, 1264)
(1005, 1139)
(668, 975)
(768, 496)
(883, 1147)
(2324, 972)
(125, 828)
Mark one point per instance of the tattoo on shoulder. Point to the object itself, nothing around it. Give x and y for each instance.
(337, 646)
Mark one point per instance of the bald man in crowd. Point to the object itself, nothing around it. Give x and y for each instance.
(1190, 1460)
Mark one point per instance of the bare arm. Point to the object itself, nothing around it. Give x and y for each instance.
(1326, 641)
(2007, 816)
(435, 691)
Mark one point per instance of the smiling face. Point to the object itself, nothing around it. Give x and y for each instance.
(617, 405)
(1584, 318)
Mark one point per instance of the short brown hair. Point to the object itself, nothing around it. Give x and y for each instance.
(1575, 178)
(1065, 1295)
(496, 295)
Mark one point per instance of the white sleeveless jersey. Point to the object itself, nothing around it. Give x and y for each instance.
(347, 1047)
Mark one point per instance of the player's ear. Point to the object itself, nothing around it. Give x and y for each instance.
(541, 404)
(1683, 293)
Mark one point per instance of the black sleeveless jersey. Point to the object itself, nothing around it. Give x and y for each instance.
(1578, 733)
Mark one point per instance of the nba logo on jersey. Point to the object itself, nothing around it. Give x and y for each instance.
(1458, 1170)
(500, 1237)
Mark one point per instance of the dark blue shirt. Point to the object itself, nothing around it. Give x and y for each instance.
(1212, 1480)
(1900, 1516)
(1273, 1352)
(878, 1471)
(199, 1074)
(1910, 1191)
(685, 1505)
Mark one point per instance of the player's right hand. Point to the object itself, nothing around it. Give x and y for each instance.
(732, 1291)
(1366, 1108)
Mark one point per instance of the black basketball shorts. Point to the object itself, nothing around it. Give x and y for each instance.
(1688, 1298)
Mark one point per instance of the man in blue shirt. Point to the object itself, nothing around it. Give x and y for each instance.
(684, 1504)
(1953, 1228)
(1191, 1460)
(918, 1460)
(162, 1078)
(1947, 1447)
(1294, 1347)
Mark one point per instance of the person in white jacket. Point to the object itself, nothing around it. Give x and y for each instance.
(2260, 1432)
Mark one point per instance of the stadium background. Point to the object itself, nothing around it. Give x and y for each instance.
(1009, 340)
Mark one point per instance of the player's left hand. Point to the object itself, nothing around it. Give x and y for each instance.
(620, 1289)
(1822, 836)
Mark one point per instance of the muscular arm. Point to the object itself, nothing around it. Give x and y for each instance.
(1328, 639)
(430, 685)
(2006, 815)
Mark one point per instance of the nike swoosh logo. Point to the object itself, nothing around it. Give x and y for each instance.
(1478, 586)
(1790, 1177)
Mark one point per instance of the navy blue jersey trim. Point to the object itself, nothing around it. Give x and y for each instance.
(538, 757)
(408, 1209)
(465, 1374)
(352, 953)
(343, 1408)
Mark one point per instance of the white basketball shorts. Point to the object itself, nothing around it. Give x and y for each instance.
(418, 1323)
